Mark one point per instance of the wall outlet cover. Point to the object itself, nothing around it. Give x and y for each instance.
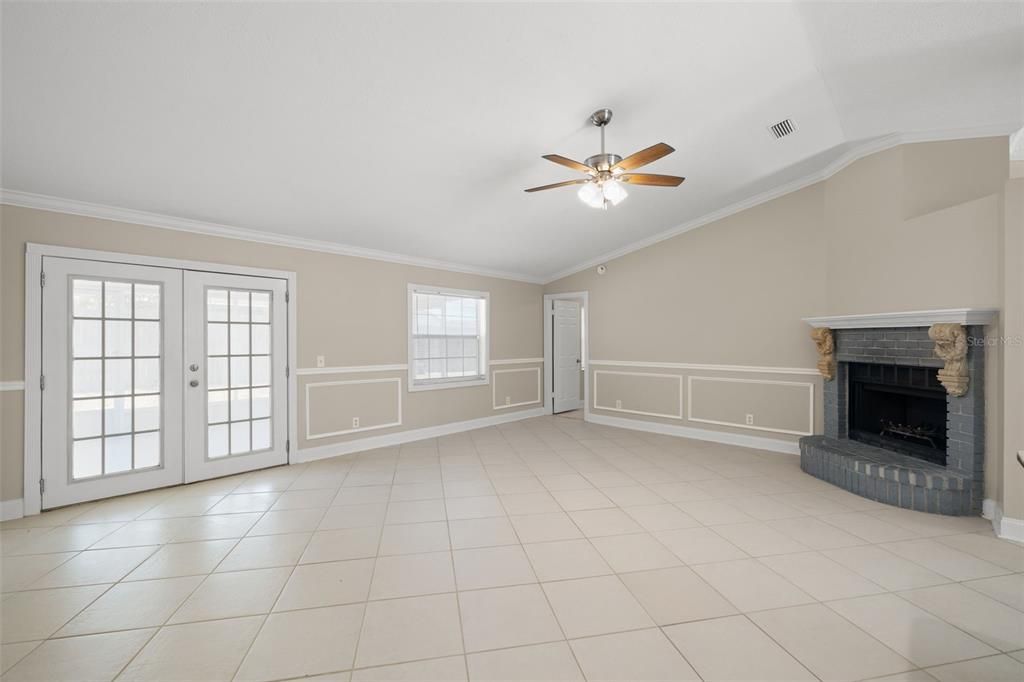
(750, 420)
(508, 400)
(319, 361)
(618, 404)
(355, 422)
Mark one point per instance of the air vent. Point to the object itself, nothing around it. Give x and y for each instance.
(782, 128)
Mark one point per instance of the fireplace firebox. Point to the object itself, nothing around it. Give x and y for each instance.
(898, 408)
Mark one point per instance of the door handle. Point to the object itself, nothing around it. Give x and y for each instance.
(193, 367)
(194, 383)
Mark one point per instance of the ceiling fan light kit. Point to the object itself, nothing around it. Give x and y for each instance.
(607, 173)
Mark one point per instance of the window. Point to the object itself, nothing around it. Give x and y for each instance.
(447, 338)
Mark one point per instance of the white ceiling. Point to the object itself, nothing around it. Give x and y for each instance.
(414, 128)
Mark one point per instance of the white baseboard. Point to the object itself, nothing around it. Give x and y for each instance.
(12, 509)
(373, 442)
(759, 442)
(1004, 526)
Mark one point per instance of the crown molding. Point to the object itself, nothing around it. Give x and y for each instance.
(127, 215)
(872, 146)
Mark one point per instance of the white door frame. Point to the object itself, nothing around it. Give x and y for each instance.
(34, 341)
(584, 298)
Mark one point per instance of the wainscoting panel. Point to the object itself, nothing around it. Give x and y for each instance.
(643, 393)
(515, 387)
(331, 406)
(776, 406)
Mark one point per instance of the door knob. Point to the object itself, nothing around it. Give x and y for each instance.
(194, 383)
(194, 367)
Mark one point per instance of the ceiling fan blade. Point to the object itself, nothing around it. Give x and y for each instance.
(651, 179)
(557, 184)
(569, 163)
(644, 157)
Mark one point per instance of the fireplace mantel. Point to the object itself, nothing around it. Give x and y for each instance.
(913, 318)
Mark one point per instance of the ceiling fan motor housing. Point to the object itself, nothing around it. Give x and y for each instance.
(602, 162)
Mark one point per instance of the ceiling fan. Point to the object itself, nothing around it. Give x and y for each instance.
(606, 173)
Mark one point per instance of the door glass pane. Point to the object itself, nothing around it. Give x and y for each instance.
(116, 406)
(217, 407)
(147, 450)
(147, 339)
(87, 458)
(260, 306)
(245, 339)
(147, 301)
(117, 299)
(217, 441)
(87, 298)
(87, 418)
(117, 377)
(217, 305)
(261, 434)
(117, 415)
(117, 338)
(87, 338)
(147, 375)
(117, 454)
(216, 338)
(147, 412)
(239, 339)
(87, 378)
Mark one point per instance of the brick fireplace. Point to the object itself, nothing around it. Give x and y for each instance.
(903, 426)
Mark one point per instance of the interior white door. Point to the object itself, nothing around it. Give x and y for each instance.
(236, 393)
(112, 363)
(566, 344)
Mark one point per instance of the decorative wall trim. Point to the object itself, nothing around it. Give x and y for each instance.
(354, 369)
(391, 439)
(364, 369)
(398, 404)
(753, 369)
(739, 439)
(127, 215)
(912, 318)
(12, 385)
(810, 404)
(858, 152)
(640, 374)
(494, 387)
(12, 509)
(517, 361)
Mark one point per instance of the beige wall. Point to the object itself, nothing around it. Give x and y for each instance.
(1013, 350)
(350, 310)
(914, 227)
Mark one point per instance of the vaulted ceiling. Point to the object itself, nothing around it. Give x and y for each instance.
(413, 128)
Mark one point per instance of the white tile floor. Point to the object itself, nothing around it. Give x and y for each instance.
(548, 549)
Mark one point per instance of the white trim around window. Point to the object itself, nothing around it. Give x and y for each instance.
(482, 339)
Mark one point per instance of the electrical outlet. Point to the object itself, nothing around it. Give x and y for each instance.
(355, 422)
(750, 420)
(319, 361)
(618, 404)
(508, 400)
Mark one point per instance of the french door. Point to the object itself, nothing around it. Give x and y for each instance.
(154, 376)
(236, 398)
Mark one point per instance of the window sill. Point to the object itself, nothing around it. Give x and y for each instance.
(413, 388)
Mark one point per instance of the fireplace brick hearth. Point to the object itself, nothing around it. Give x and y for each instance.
(892, 474)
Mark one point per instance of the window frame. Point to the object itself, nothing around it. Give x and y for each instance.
(414, 384)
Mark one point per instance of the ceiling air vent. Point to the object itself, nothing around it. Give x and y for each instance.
(782, 128)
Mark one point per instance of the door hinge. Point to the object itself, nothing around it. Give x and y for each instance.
(287, 296)
(42, 382)
(42, 486)
(287, 371)
(42, 279)
(288, 446)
